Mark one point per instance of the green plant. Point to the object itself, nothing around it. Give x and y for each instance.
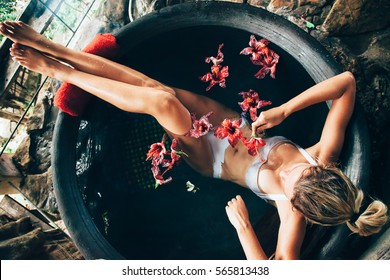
(7, 11)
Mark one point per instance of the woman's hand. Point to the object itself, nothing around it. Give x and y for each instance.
(237, 213)
(238, 216)
(268, 119)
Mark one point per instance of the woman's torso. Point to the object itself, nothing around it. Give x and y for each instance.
(232, 164)
(261, 173)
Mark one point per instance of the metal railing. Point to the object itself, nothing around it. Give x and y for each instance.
(73, 31)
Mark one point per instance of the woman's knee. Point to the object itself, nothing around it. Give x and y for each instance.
(163, 101)
(350, 80)
(159, 86)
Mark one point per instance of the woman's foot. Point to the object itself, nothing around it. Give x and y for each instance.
(36, 61)
(23, 34)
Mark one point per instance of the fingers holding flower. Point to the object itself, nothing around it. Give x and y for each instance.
(268, 119)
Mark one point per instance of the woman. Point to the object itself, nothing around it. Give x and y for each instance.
(303, 184)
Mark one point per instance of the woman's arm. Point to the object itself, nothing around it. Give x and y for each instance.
(238, 216)
(341, 90)
(291, 232)
(330, 89)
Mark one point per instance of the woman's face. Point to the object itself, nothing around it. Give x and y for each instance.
(291, 176)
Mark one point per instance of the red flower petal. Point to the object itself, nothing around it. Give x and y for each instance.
(253, 144)
(251, 102)
(200, 127)
(159, 177)
(217, 74)
(218, 59)
(174, 155)
(253, 113)
(230, 129)
(157, 151)
(247, 51)
(263, 56)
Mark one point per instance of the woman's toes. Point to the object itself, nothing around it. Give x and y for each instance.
(20, 23)
(16, 52)
(8, 25)
(17, 46)
(3, 29)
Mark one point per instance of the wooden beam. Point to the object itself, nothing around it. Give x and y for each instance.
(16, 211)
(11, 116)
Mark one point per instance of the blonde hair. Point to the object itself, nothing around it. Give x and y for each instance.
(326, 196)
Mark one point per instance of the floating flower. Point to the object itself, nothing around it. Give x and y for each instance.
(268, 65)
(231, 130)
(253, 144)
(218, 73)
(263, 56)
(175, 154)
(159, 177)
(216, 60)
(251, 101)
(191, 187)
(256, 48)
(200, 127)
(157, 151)
(158, 155)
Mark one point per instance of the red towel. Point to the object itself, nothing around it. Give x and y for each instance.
(73, 100)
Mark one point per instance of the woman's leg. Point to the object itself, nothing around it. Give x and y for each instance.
(200, 105)
(91, 64)
(23, 34)
(162, 105)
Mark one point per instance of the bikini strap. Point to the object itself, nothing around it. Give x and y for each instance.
(307, 156)
(274, 196)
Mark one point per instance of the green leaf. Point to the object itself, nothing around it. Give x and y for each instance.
(309, 24)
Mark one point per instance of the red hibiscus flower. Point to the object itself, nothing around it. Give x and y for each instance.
(268, 64)
(263, 56)
(200, 127)
(256, 48)
(230, 129)
(251, 101)
(175, 154)
(157, 151)
(216, 60)
(159, 177)
(217, 75)
(253, 144)
(160, 163)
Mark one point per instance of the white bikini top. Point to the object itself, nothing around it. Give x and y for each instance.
(251, 176)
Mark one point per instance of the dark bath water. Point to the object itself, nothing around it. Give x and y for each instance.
(117, 185)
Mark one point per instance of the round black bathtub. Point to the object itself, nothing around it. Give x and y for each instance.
(104, 187)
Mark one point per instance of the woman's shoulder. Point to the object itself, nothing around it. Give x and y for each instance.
(320, 157)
